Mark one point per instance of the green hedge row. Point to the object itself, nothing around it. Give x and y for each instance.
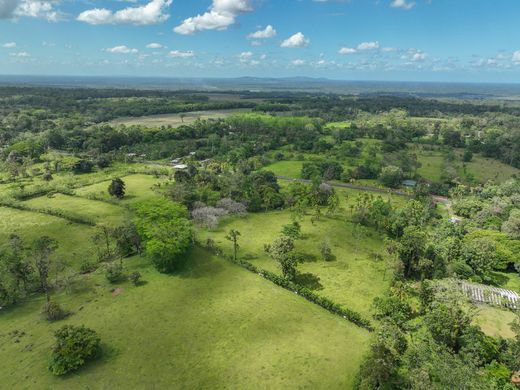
(304, 292)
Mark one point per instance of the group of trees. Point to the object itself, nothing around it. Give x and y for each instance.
(435, 345)
(27, 268)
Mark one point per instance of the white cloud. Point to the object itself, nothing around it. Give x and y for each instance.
(368, 46)
(246, 55)
(153, 12)
(37, 9)
(268, 32)
(389, 49)
(418, 57)
(181, 54)
(9, 45)
(20, 54)
(403, 4)
(122, 49)
(295, 41)
(516, 56)
(347, 50)
(220, 16)
(154, 46)
(298, 62)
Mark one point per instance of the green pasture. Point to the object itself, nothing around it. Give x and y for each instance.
(214, 325)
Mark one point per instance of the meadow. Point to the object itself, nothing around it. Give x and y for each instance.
(211, 325)
(176, 120)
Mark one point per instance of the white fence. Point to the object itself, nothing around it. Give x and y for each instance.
(491, 295)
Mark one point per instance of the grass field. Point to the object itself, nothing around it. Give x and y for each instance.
(353, 279)
(74, 239)
(138, 187)
(431, 166)
(287, 168)
(100, 212)
(176, 120)
(212, 326)
(484, 169)
(494, 321)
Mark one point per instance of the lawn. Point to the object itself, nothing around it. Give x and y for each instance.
(214, 326)
(176, 120)
(353, 279)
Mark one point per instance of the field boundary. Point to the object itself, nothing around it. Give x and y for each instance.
(309, 295)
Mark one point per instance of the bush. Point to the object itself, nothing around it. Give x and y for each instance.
(114, 272)
(75, 345)
(326, 251)
(87, 267)
(52, 311)
(135, 278)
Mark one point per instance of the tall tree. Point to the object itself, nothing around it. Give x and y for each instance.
(43, 249)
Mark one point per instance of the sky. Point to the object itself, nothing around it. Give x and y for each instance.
(392, 40)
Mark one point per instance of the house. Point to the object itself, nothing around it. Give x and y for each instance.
(176, 161)
(410, 183)
(180, 166)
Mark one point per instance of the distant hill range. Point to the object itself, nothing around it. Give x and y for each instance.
(470, 91)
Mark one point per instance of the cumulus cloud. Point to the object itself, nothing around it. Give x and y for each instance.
(298, 62)
(295, 41)
(347, 50)
(181, 54)
(154, 45)
(220, 16)
(153, 12)
(403, 4)
(368, 46)
(245, 55)
(122, 49)
(37, 9)
(268, 32)
(9, 45)
(516, 56)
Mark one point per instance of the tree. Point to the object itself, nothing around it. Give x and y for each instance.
(411, 248)
(326, 251)
(292, 230)
(233, 237)
(43, 248)
(117, 188)
(166, 232)
(75, 345)
(281, 250)
(391, 176)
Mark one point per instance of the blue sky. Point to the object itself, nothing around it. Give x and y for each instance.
(410, 40)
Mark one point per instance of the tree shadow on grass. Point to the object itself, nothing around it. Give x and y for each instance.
(308, 280)
(200, 264)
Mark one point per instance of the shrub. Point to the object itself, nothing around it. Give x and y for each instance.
(87, 266)
(325, 251)
(114, 272)
(75, 345)
(135, 278)
(52, 311)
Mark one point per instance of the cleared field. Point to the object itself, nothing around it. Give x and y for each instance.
(176, 120)
(214, 326)
(495, 322)
(100, 212)
(291, 169)
(353, 279)
(74, 243)
(138, 187)
(484, 169)
(431, 166)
